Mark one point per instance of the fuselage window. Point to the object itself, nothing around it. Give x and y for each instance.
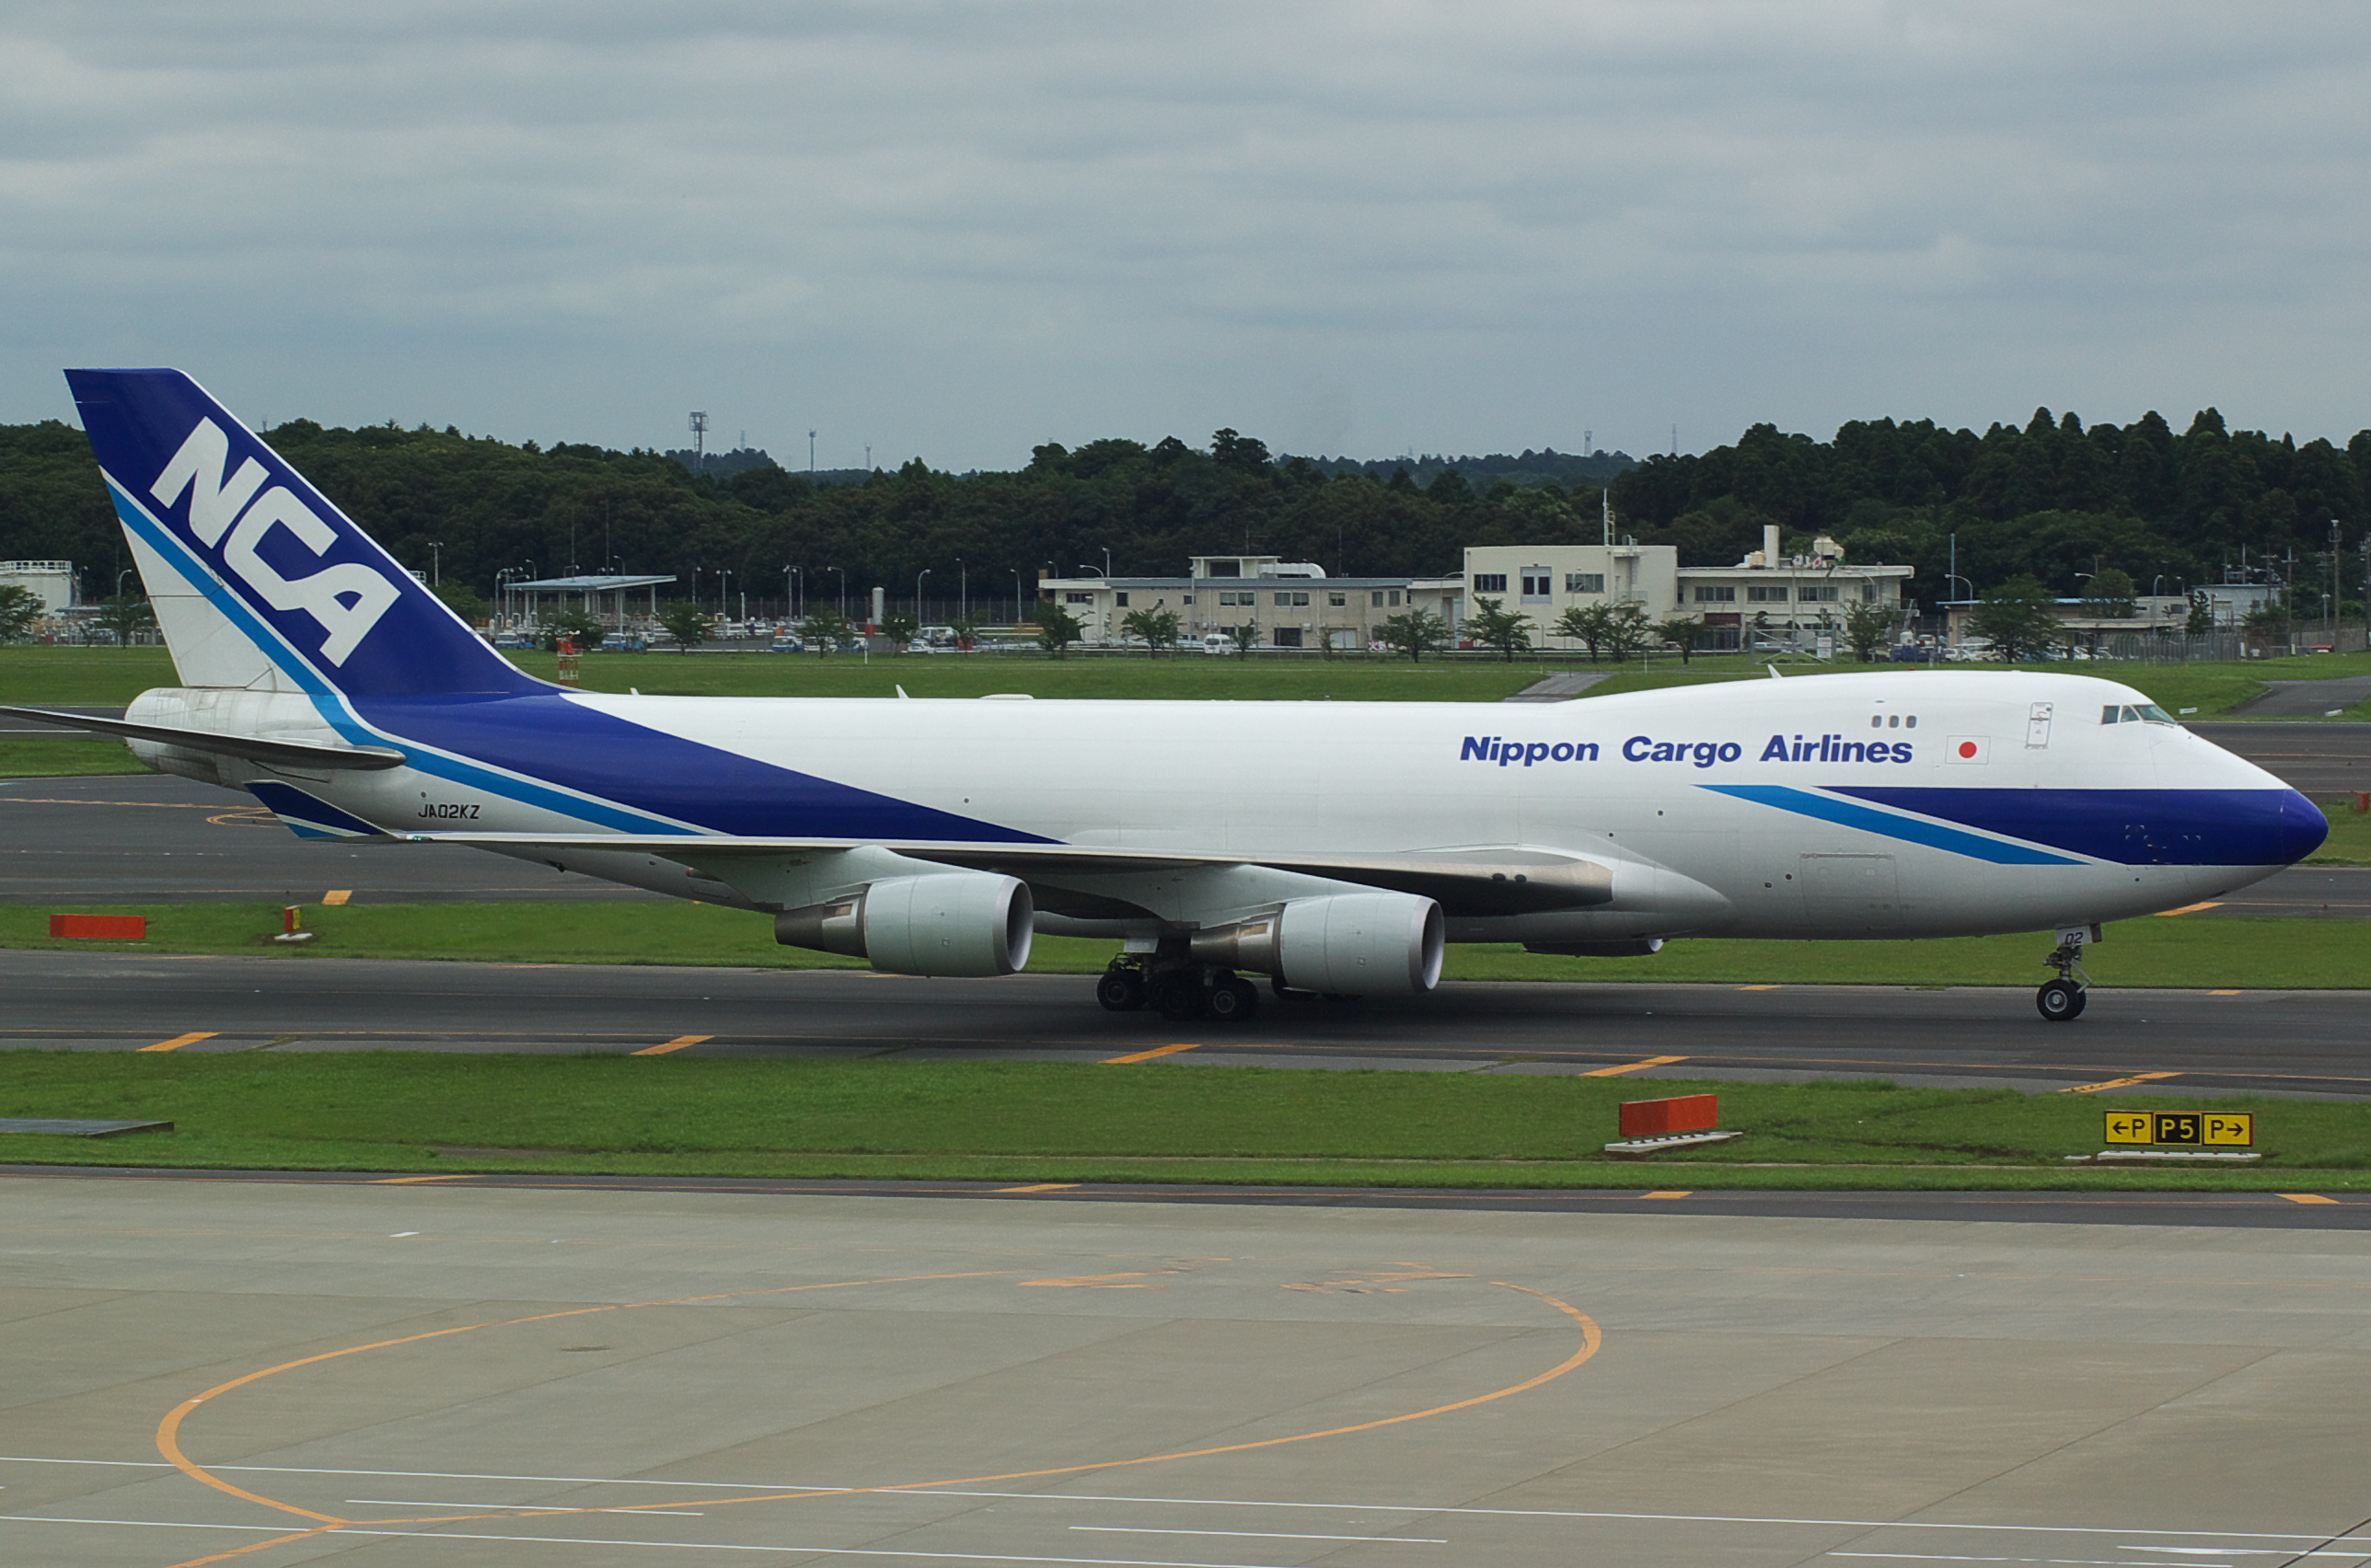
(1894, 723)
(1876, 720)
(1911, 722)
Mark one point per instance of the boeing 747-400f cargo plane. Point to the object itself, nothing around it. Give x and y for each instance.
(1334, 848)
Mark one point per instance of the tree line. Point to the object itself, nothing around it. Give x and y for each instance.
(2053, 500)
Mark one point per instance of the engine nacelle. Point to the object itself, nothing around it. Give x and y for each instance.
(960, 925)
(1350, 943)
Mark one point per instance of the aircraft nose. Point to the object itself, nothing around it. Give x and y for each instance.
(2297, 827)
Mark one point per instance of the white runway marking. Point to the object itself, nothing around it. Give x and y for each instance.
(523, 1507)
(1256, 1535)
(2318, 1536)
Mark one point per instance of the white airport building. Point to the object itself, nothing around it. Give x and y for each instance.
(1288, 603)
(1764, 600)
(1767, 600)
(51, 581)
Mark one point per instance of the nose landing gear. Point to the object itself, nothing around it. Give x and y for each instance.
(2062, 1000)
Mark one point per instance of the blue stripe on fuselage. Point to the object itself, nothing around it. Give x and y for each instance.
(579, 748)
(2131, 828)
(1914, 830)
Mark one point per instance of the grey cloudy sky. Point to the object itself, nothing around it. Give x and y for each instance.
(960, 229)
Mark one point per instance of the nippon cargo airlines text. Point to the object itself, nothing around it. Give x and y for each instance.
(1505, 753)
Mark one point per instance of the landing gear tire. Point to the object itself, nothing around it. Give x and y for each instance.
(2060, 1001)
(1121, 990)
(1234, 1000)
(1177, 998)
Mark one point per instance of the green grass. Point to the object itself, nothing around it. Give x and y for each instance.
(670, 933)
(42, 676)
(2183, 952)
(58, 759)
(1181, 677)
(2349, 843)
(110, 676)
(94, 676)
(1030, 1120)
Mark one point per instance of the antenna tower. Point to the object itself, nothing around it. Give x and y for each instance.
(698, 439)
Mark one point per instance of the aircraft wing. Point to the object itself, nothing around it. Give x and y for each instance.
(1487, 880)
(253, 748)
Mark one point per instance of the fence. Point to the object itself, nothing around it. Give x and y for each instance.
(2222, 647)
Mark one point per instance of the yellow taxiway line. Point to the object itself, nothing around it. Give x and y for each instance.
(677, 1044)
(2116, 1083)
(179, 1040)
(1633, 1066)
(1148, 1056)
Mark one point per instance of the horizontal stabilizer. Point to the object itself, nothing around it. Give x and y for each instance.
(253, 748)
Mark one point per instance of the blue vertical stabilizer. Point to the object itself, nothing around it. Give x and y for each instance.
(257, 581)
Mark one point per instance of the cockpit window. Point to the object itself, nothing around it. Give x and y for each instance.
(2111, 714)
(2128, 713)
(2153, 713)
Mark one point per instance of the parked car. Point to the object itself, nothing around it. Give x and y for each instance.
(786, 644)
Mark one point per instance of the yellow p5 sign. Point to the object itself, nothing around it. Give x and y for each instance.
(2192, 1129)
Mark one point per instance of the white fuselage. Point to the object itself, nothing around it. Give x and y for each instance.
(1638, 783)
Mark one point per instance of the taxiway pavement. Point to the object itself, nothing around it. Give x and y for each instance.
(418, 1373)
(2307, 1043)
(149, 839)
(2325, 761)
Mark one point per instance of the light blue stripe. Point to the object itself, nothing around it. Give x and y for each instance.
(1910, 829)
(330, 703)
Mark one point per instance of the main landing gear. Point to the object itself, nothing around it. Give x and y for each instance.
(1177, 989)
(2062, 1000)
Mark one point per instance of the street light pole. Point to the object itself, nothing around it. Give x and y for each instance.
(962, 589)
(918, 597)
(2333, 585)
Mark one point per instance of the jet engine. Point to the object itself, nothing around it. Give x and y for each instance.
(956, 924)
(1350, 943)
